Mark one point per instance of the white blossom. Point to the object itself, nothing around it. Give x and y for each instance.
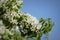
(3, 1)
(27, 22)
(15, 6)
(2, 29)
(30, 20)
(19, 2)
(10, 32)
(10, 16)
(39, 26)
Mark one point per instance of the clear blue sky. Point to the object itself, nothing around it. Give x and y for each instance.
(45, 9)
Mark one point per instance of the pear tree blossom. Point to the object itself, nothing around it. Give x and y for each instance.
(15, 24)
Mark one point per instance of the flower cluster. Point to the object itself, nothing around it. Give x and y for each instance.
(10, 4)
(20, 24)
(23, 22)
(11, 17)
(29, 24)
(5, 2)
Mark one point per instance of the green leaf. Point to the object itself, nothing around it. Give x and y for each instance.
(47, 26)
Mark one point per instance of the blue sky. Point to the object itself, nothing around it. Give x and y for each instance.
(45, 9)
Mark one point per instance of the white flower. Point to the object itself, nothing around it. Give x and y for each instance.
(24, 31)
(3, 2)
(17, 28)
(2, 29)
(0, 36)
(39, 26)
(10, 16)
(24, 24)
(33, 28)
(10, 32)
(35, 25)
(14, 21)
(32, 19)
(19, 1)
(21, 26)
(15, 6)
